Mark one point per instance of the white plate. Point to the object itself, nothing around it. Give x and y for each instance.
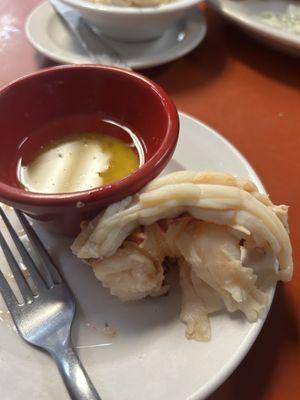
(247, 14)
(149, 359)
(47, 34)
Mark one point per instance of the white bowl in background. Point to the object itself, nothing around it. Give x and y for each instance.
(133, 24)
(57, 42)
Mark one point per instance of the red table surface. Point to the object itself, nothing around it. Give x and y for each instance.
(250, 94)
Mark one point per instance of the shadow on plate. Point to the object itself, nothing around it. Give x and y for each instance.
(44, 62)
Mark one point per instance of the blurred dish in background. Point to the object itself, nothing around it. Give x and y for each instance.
(48, 34)
(275, 23)
(133, 23)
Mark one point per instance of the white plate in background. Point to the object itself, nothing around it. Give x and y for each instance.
(150, 358)
(48, 34)
(248, 15)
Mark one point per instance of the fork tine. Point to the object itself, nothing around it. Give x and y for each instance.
(50, 267)
(15, 269)
(28, 261)
(7, 294)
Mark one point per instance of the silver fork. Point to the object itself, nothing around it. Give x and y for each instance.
(44, 318)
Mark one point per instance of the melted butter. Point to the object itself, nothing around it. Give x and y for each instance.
(80, 162)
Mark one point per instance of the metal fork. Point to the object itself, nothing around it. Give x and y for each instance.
(44, 318)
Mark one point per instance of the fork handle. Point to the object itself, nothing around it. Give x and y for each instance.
(74, 375)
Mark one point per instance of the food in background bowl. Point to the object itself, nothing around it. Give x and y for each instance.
(55, 103)
(131, 23)
(208, 224)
